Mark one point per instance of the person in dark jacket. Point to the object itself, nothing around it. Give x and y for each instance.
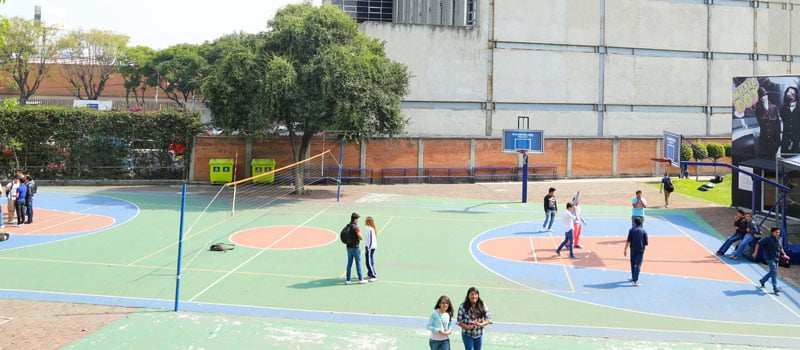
(772, 253)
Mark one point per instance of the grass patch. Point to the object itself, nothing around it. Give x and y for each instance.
(720, 194)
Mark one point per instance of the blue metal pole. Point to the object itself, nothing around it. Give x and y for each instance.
(180, 249)
(341, 162)
(525, 177)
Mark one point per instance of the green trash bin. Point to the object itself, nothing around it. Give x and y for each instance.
(261, 166)
(221, 170)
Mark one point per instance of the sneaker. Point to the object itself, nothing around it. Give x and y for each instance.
(733, 257)
(362, 282)
(762, 284)
(373, 279)
(558, 252)
(347, 283)
(578, 246)
(777, 291)
(637, 284)
(630, 279)
(719, 252)
(17, 225)
(549, 230)
(574, 257)
(666, 206)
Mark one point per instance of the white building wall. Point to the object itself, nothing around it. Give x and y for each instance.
(601, 68)
(548, 21)
(529, 76)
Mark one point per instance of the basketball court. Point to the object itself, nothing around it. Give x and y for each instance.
(282, 285)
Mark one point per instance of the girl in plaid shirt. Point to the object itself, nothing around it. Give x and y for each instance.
(473, 315)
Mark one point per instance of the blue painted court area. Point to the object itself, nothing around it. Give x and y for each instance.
(662, 294)
(76, 204)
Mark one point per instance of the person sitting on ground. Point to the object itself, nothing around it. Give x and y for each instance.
(753, 233)
(741, 226)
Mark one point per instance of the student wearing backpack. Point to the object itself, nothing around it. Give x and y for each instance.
(353, 250)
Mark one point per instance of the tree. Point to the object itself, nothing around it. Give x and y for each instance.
(233, 95)
(133, 70)
(178, 71)
(715, 151)
(27, 54)
(92, 56)
(699, 152)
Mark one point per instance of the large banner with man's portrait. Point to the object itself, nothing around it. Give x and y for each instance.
(766, 116)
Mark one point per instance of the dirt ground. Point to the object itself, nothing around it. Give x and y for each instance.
(28, 324)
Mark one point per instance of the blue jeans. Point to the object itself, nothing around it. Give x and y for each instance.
(354, 254)
(29, 210)
(636, 264)
(772, 274)
(471, 343)
(549, 217)
(728, 242)
(568, 242)
(439, 344)
(745, 241)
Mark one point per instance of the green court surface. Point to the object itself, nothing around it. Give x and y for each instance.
(294, 296)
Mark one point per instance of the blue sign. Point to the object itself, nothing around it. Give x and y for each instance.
(529, 140)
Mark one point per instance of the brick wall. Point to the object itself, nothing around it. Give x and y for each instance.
(590, 157)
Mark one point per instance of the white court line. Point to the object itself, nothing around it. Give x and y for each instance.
(260, 252)
(533, 251)
(737, 271)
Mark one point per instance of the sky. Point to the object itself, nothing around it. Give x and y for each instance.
(157, 24)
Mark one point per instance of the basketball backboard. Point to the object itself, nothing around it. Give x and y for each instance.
(515, 140)
(672, 148)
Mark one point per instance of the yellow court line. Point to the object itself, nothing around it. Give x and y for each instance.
(563, 266)
(184, 239)
(250, 273)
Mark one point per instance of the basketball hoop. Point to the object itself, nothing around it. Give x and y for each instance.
(522, 151)
(661, 160)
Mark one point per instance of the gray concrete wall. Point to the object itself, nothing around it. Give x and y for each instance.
(601, 68)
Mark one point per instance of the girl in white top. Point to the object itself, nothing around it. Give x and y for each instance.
(371, 237)
(579, 221)
(439, 323)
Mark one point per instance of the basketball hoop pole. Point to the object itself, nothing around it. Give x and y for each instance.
(524, 175)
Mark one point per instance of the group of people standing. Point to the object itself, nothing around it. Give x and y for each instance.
(473, 316)
(572, 220)
(19, 192)
(354, 249)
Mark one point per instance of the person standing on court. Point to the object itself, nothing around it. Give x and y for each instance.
(741, 226)
(579, 220)
(29, 198)
(19, 201)
(550, 208)
(772, 253)
(638, 203)
(439, 323)
(473, 316)
(568, 219)
(353, 250)
(667, 188)
(369, 248)
(637, 241)
(11, 191)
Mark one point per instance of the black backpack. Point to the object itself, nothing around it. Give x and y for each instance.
(346, 236)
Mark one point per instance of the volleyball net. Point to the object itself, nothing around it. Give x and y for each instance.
(215, 208)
